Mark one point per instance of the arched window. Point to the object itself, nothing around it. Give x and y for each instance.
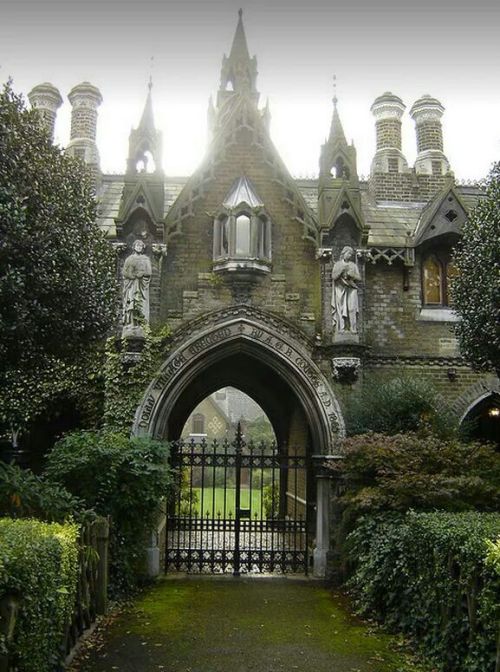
(242, 236)
(198, 423)
(438, 271)
(242, 231)
(433, 281)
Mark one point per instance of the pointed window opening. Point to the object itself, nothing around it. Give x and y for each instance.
(438, 273)
(242, 233)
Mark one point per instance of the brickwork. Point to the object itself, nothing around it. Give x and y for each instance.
(392, 323)
(83, 123)
(407, 187)
(429, 135)
(388, 133)
(190, 288)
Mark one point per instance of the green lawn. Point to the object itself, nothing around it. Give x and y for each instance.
(208, 501)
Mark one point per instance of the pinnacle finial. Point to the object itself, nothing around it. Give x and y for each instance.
(240, 12)
(335, 99)
(150, 82)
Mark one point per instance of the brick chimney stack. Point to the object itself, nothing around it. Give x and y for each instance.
(85, 99)
(426, 113)
(47, 100)
(388, 110)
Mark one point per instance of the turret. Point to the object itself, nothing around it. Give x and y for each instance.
(427, 113)
(145, 142)
(239, 71)
(47, 100)
(85, 99)
(388, 110)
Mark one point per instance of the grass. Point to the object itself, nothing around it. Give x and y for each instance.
(210, 625)
(213, 501)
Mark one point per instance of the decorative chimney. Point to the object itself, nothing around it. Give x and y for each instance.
(427, 113)
(85, 99)
(47, 100)
(388, 110)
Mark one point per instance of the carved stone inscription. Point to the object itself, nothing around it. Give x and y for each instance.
(258, 334)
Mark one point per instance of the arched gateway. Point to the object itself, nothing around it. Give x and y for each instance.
(270, 360)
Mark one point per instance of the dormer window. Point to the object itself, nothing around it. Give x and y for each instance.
(242, 231)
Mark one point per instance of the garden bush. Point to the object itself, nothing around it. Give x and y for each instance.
(39, 564)
(121, 477)
(436, 578)
(399, 404)
(418, 471)
(23, 495)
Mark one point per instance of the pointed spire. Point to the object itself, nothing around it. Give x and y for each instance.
(336, 129)
(145, 141)
(239, 49)
(147, 120)
(239, 71)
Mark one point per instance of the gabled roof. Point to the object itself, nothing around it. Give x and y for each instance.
(444, 214)
(337, 209)
(242, 192)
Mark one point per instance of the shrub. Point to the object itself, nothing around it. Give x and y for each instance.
(434, 577)
(400, 404)
(23, 495)
(39, 563)
(119, 476)
(418, 471)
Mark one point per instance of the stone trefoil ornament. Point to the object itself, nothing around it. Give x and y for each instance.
(136, 279)
(345, 305)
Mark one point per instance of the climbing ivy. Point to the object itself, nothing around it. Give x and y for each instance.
(126, 378)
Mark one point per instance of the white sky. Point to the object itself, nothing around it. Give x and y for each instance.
(451, 51)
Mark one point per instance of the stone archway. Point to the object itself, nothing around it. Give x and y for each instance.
(269, 359)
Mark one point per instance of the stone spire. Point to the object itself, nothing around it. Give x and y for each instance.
(145, 142)
(47, 100)
(426, 113)
(338, 158)
(239, 71)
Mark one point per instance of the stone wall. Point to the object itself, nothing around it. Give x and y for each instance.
(292, 289)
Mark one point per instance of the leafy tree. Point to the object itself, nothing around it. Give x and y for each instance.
(399, 404)
(57, 276)
(476, 289)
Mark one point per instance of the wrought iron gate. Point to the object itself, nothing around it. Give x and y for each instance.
(238, 508)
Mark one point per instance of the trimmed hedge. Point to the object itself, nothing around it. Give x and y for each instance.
(435, 577)
(39, 564)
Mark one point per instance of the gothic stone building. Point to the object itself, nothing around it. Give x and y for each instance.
(249, 269)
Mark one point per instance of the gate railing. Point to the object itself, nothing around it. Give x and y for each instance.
(238, 508)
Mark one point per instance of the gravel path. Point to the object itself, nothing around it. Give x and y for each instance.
(222, 624)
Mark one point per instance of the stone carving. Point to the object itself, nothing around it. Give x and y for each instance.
(136, 278)
(346, 369)
(345, 276)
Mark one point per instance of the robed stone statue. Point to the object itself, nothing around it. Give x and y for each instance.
(136, 279)
(345, 305)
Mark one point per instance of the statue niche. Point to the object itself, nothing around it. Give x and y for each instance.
(135, 299)
(345, 304)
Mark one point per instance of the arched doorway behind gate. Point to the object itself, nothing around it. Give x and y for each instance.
(240, 501)
(271, 363)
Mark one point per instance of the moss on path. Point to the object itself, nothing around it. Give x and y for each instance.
(227, 625)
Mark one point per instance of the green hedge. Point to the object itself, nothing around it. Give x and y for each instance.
(119, 476)
(39, 563)
(434, 577)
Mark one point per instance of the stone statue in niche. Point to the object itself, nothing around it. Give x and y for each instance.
(345, 306)
(136, 278)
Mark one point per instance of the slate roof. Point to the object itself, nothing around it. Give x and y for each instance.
(390, 222)
(111, 192)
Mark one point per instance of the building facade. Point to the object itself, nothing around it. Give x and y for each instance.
(294, 291)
